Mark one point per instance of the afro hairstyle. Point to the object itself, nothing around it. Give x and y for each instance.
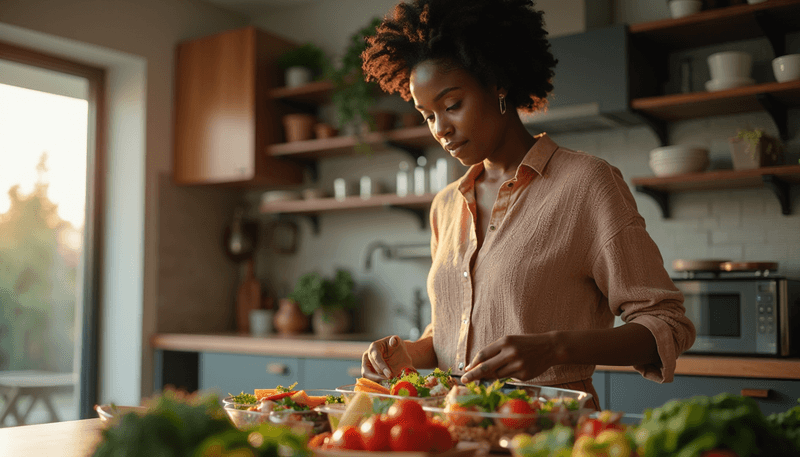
(500, 42)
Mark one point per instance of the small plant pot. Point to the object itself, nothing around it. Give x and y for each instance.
(298, 76)
(299, 127)
(384, 120)
(745, 157)
(289, 319)
(323, 130)
(330, 321)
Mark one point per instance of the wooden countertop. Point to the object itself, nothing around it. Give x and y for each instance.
(352, 346)
(58, 439)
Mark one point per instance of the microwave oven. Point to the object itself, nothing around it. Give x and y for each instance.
(743, 315)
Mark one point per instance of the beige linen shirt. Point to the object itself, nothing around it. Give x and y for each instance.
(566, 249)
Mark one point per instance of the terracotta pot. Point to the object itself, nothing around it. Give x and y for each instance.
(324, 130)
(330, 321)
(384, 120)
(299, 127)
(290, 319)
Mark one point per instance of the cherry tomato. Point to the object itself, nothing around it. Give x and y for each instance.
(317, 441)
(455, 414)
(409, 437)
(405, 389)
(407, 371)
(517, 406)
(405, 411)
(375, 433)
(439, 437)
(593, 427)
(347, 437)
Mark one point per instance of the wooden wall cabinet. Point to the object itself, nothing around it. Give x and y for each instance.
(224, 118)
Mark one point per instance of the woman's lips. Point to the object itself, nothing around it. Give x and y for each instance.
(454, 148)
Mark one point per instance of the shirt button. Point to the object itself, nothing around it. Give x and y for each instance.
(465, 321)
(491, 227)
(461, 366)
(466, 275)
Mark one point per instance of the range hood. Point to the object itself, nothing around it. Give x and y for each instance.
(591, 83)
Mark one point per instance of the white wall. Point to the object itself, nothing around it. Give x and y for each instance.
(135, 40)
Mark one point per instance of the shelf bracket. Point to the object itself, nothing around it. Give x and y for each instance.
(421, 215)
(781, 189)
(777, 112)
(415, 153)
(658, 126)
(661, 198)
(776, 35)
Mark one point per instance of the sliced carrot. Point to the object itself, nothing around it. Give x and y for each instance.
(300, 397)
(314, 401)
(369, 385)
(261, 393)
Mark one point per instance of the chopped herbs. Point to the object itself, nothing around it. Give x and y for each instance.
(281, 389)
(244, 399)
(330, 399)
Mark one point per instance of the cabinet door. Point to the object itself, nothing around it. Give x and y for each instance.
(236, 373)
(223, 116)
(631, 393)
(600, 382)
(330, 373)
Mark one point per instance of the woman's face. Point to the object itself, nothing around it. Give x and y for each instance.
(462, 115)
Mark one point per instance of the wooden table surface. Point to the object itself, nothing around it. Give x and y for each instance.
(57, 439)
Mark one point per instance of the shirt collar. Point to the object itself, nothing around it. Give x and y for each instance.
(536, 159)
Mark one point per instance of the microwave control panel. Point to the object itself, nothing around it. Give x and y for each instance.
(767, 318)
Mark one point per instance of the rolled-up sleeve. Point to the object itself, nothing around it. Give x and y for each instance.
(629, 271)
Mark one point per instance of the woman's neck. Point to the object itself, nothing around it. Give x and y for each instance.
(503, 163)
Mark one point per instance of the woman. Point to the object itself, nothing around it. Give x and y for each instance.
(537, 247)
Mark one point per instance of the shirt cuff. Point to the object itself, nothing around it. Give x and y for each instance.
(665, 345)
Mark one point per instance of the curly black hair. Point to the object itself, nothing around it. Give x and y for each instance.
(499, 42)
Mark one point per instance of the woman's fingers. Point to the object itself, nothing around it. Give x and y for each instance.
(367, 369)
(483, 364)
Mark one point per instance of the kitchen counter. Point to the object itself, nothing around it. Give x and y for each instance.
(352, 346)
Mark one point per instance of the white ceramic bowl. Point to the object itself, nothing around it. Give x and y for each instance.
(678, 150)
(681, 8)
(786, 68)
(678, 159)
(729, 65)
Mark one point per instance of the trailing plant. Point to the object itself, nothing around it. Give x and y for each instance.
(313, 291)
(753, 137)
(306, 55)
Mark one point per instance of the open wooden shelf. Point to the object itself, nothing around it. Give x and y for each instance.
(414, 204)
(778, 179)
(316, 93)
(413, 140)
(721, 25)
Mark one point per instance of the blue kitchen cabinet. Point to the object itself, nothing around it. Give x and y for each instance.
(330, 373)
(631, 393)
(600, 382)
(236, 373)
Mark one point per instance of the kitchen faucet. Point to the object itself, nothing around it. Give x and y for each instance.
(415, 315)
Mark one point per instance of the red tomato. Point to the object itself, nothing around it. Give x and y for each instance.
(440, 439)
(408, 370)
(592, 427)
(455, 416)
(375, 433)
(406, 412)
(405, 389)
(517, 406)
(346, 437)
(409, 437)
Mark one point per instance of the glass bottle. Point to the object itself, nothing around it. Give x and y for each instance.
(419, 176)
(402, 180)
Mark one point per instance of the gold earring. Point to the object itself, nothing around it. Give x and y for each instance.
(502, 104)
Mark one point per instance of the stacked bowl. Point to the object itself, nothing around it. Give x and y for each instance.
(678, 159)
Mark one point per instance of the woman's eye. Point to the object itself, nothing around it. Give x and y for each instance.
(428, 119)
(454, 106)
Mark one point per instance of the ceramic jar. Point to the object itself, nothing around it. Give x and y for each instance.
(290, 319)
(330, 321)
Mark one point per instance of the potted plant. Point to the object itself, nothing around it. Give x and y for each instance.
(326, 300)
(352, 95)
(302, 64)
(752, 148)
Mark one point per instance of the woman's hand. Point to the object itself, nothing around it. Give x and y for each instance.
(385, 358)
(520, 357)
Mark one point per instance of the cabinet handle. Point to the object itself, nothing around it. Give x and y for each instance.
(756, 393)
(354, 372)
(277, 368)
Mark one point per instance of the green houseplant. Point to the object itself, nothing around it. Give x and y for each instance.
(327, 300)
(303, 64)
(752, 148)
(352, 95)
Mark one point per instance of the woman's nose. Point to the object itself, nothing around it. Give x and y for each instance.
(442, 127)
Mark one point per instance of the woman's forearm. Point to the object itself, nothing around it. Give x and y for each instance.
(422, 353)
(629, 344)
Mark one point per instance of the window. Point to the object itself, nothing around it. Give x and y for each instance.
(50, 200)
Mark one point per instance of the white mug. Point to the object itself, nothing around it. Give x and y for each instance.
(261, 322)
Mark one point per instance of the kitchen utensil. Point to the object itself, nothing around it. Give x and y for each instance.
(786, 68)
(240, 237)
(698, 265)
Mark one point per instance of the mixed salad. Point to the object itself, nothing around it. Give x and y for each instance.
(412, 384)
(280, 399)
